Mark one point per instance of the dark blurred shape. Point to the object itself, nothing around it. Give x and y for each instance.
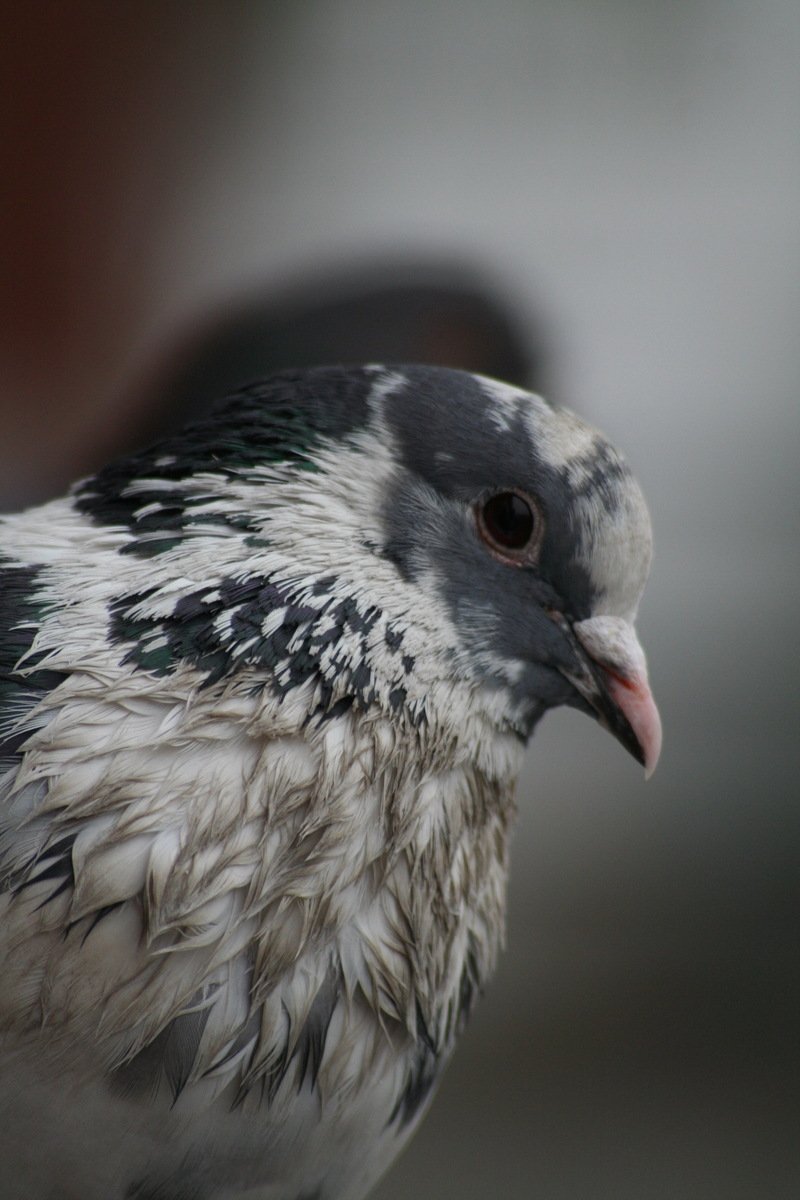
(408, 312)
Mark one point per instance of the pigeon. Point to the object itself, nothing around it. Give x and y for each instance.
(265, 690)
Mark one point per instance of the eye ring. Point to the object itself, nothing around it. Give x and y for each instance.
(511, 525)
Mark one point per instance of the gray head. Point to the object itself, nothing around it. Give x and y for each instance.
(381, 535)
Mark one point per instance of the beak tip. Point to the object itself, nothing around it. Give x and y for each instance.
(635, 701)
(652, 741)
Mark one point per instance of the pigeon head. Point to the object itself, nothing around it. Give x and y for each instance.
(407, 537)
(537, 537)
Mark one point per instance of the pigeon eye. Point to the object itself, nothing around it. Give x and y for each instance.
(510, 525)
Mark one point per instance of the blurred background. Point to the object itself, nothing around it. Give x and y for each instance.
(599, 199)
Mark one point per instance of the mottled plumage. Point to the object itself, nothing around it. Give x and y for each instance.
(264, 693)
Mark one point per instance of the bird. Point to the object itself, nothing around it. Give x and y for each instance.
(265, 691)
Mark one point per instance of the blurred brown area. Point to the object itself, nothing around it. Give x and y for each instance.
(107, 110)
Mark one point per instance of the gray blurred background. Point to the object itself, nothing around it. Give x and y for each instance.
(621, 179)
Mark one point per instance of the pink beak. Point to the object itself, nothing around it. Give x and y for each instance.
(620, 692)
